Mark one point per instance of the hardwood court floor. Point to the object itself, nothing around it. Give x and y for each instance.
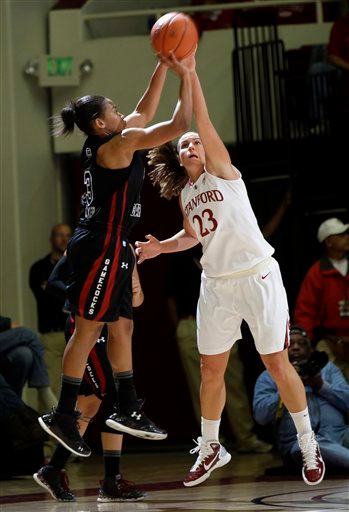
(239, 486)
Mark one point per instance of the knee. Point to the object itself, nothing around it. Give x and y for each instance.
(29, 336)
(211, 372)
(278, 368)
(21, 358)
(122, 334)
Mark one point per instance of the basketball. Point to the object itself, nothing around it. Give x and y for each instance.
(174, 31)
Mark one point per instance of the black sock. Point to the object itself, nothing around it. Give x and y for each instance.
(60, 457)
(69, 394)
(125, 389)
(111, 463)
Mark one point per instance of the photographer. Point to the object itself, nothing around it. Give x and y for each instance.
(328, 403)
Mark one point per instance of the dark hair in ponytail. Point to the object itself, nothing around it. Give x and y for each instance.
(80, 112)
(167, 173)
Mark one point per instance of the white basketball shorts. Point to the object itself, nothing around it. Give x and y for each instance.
(258, 298)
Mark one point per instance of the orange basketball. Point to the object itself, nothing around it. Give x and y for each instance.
(174, 31)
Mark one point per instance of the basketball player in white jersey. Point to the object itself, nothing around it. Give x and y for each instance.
(240, 280)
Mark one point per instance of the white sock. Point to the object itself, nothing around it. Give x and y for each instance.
(210, 429)
(301, 421)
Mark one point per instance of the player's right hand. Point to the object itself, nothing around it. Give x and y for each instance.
(149, 249)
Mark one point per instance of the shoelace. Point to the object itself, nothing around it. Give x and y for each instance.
(203, 449)
(309, 452)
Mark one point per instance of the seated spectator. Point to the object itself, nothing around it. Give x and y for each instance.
(22, 362)
(322, 304)
(21, 438)
(328, 403)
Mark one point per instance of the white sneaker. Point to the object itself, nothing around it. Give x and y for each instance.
(212, 455)
(313, 466)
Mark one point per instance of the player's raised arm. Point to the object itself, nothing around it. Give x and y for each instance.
(217, 156)
(148, 104)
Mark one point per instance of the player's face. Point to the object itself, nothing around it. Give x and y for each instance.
(191, 150)
(114, 121)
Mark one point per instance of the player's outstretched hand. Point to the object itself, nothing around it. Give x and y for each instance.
(148, 250)
(180, 67)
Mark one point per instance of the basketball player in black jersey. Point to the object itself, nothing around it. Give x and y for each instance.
(97, 391)
(99, 288)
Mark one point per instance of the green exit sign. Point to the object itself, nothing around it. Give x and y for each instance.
(55, 71)
(60, 66)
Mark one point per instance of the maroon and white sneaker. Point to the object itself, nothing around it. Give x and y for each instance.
(313, 466)
(212, 455)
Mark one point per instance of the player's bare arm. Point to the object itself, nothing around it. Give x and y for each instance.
(218, 160)
(153, 247)
(148, 104)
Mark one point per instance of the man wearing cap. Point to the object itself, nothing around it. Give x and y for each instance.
(328, 402)
(322, 305)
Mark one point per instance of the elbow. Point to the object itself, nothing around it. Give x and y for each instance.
(260, 416)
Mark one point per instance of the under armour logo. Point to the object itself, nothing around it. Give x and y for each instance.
(124, 264)
(80, 448)
(135, 415)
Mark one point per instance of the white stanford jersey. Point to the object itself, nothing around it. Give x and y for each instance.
(220, 212)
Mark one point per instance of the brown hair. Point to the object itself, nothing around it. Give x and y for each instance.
(167, 173)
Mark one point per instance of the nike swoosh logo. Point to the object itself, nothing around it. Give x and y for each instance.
(211, 463)
(266, 275)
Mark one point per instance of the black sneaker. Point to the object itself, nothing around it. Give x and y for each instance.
(55, 481)
(64, 428)
(136, 423)
(117, 489)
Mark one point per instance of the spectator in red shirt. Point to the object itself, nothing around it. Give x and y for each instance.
(322, 305)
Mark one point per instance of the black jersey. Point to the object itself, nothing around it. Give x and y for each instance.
(111, 197)
(99, 287)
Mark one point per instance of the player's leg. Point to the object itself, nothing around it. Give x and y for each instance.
(129, 417)
(53, 476)
(269, 323)
(114, 488)
(62, 423)
(292, 394)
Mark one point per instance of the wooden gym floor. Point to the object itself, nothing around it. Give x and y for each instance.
(239, 486)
